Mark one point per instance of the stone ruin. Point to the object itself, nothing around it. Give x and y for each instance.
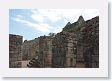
(29, 49)
(15, 51)
(91, 43)
(76, 46)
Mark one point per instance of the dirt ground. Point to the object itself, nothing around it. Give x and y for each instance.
(24, 64)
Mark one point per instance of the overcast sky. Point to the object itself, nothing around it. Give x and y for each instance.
(32, 23)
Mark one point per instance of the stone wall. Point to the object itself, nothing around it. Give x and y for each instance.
(91, 43)
(30, 49)
(63, 50)
(15, 54)
(45, 51)
(40, 48)
(76, 46)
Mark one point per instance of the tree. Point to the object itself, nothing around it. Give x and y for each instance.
(52, 34)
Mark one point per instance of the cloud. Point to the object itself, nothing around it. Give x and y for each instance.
(20, 16)
(70, 15)
(42, 27)
(22, 21)
(90, 13)
(50, 14)
(37, 17)
(57, 30)
(54, 15)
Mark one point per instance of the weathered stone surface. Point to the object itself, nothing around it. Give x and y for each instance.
(30, 49)
(45, 51)
(77, 39)
(91, 43)
(40, 47)
(15, 54)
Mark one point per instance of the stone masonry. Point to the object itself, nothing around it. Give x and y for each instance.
(67, 47)
(45, 51)
(76, 46)
(41, 48)
(15, 53)
(91, 43)
(63, 50)
(30, 49)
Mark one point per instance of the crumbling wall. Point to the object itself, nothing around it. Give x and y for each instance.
(76, 46)
(91, 43)
(30, 49)
(63, 50)
(15, 55)
(45, 51)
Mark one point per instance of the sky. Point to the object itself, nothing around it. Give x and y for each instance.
(32, 23)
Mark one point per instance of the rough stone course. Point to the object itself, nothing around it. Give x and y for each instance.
(15, 53)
